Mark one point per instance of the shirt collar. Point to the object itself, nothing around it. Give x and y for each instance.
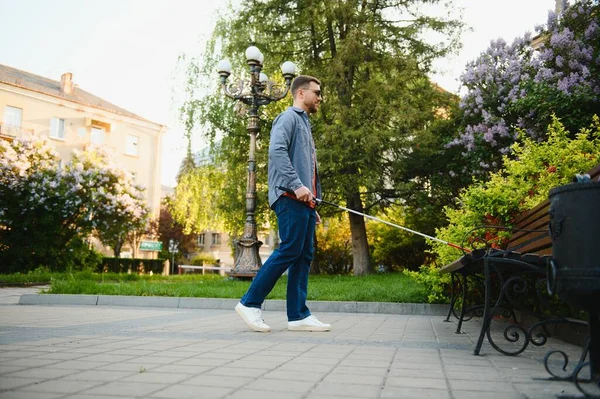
(299, 110)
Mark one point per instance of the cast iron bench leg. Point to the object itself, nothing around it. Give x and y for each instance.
(486, 309)
(594, 329)
(452, 298)
(463, 308)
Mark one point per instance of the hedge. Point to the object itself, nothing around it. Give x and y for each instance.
(123, 265)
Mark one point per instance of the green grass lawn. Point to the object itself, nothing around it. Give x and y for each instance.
(389, 287)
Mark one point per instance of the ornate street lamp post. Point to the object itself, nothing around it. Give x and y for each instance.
(255, 92)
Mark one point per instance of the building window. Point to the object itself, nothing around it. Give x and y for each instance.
(132, 145)
(201, 240)
(57, 128)
(13, 116)
(216, 239)
(97, 136)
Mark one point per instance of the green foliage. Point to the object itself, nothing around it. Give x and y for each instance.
(436, 284)
(82, 256)
(523, 183)
(40, 275)
(196, 194)
(394, 248)
(334, 249)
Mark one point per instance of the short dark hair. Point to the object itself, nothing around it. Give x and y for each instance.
(301, 82)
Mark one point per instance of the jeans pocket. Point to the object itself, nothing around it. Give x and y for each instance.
(281, 206)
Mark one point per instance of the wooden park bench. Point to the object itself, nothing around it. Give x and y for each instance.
(505, 276)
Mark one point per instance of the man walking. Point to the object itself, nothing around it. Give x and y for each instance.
(292, 165)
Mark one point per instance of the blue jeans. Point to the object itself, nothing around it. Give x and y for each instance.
(296, 229)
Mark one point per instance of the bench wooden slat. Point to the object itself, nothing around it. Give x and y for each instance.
(463, 261)
(533, 214)
(538, 230)
(532, 231)
(454, 266)
(521, 242)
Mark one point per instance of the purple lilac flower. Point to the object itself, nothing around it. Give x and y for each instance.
(592, 31)
(552, 20)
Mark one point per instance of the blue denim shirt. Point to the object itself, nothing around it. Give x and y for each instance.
(292, 154)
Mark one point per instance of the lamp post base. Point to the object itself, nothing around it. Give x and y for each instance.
(248, 261)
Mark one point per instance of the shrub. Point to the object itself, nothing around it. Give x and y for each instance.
(334, 248)
(511, 87)
(46, 211)
(523, 183)
(123, 265)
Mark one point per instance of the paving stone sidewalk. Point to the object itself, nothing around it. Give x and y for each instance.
(107, 352)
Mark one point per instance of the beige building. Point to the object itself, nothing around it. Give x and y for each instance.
(70, 118)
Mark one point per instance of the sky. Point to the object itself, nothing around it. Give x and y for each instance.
(126, 51)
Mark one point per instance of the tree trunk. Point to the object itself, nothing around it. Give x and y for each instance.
(117, 248)
(360, 246)
(134, 245)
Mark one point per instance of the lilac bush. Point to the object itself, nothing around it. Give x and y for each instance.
(118, 205)
(47, 213)
(513, 89)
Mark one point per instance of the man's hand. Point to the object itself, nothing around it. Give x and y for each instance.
(303, 194)
(318, 218)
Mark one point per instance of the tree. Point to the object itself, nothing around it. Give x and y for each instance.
(38, 211)
(372, 60)
(511, 87)
(46, 212)
(117, 206)
(169, 229)
(196, 194)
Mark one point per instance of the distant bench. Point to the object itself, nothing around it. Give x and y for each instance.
(506, 275)
(222, 270)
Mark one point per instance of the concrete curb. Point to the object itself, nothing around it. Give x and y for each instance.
(421, 309)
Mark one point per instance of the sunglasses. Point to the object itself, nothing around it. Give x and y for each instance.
(317, 92)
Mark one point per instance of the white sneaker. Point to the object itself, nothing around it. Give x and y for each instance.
(310, 323)
(252, 317)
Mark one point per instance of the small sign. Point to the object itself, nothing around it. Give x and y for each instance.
(151, 246)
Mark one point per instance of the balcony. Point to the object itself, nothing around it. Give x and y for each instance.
(9, 132)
